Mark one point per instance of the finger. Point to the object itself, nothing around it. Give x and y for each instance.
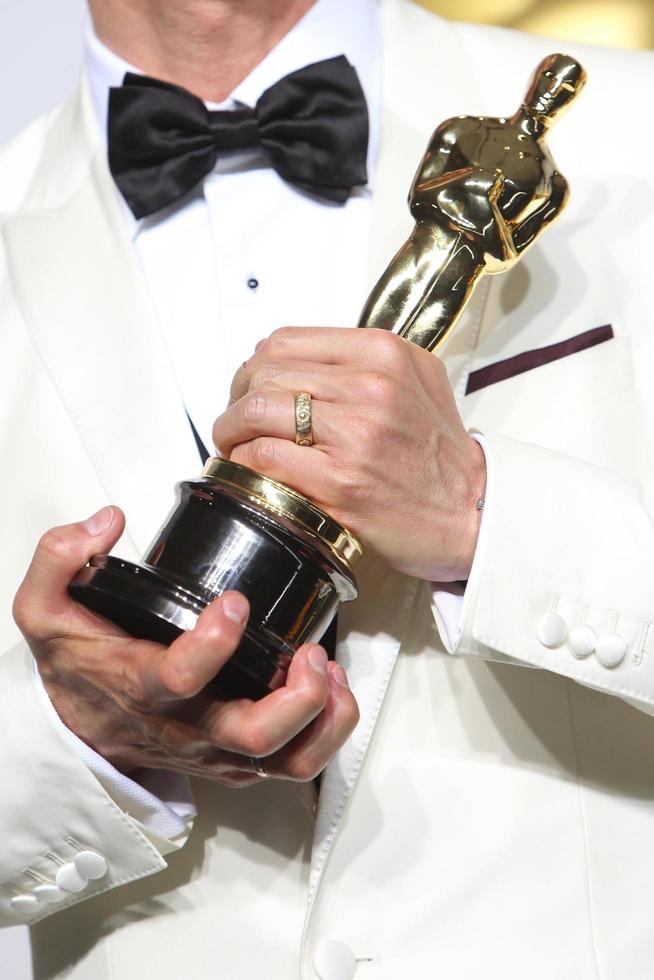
(307, 469)
(183, 669)
(259, 728)
(271, 413)
(308, 754)
(369, 348)
(325, 382)
(60, 554)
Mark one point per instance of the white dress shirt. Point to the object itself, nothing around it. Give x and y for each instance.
(243, 253)
(244, 224)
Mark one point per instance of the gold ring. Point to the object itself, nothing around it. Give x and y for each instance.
(257, 768)
(303, 432)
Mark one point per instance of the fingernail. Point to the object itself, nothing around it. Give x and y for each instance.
(340, 676)
(236, 608)
(318, 659)
(99, 521)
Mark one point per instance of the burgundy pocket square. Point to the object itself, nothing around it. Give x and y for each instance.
(529, 359)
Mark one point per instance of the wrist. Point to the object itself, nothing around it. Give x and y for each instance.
(468, 524)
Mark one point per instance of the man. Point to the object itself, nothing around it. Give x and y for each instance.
(482, 819)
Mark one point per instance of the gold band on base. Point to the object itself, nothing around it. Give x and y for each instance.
(287, 503)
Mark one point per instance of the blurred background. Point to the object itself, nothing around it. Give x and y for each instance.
(620, 23)
(41, 40)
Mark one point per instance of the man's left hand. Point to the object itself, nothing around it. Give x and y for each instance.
(391, 459)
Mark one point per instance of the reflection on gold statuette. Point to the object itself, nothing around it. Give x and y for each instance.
(484, 191)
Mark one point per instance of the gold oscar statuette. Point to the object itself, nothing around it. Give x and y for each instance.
(485, 190)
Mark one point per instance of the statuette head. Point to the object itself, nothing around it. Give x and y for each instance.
(555, 83)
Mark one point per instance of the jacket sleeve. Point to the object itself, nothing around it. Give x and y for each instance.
(563, 577)
(52, 808)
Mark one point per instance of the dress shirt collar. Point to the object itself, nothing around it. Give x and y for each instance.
(329, 28)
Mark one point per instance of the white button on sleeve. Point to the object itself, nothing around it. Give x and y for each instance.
(69, 879)
(333, 960)
(90, 865)
(611, 649)
(582, 641)
(551, 630)
(49, 894)
(24, 903)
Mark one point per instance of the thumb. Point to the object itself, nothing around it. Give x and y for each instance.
(60, 554)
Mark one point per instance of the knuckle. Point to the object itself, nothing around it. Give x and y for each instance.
(378, 389)
(438, 368)
(54, 543)
(281, 337)
(314, 699)
(258, 743)
(22, 610)
(349, 719)
(304, 768)
(216, 434)
(239, 380)
(264, 374)
(177, 680)
(388, 346)
(242, 454)
(255, 405)
(262, 453)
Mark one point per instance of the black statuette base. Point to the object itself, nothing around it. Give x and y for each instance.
(212, 542)
(148, 607)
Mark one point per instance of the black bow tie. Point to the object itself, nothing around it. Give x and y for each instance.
(312, 126)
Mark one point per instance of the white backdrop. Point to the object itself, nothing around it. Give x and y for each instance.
(40, 53)
(40, 50)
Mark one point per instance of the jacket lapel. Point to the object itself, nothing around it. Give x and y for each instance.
(417, 95)
(93, 326)
(371, 629)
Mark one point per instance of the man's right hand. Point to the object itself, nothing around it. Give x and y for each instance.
(140, 704)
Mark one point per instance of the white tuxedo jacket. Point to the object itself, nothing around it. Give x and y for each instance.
(486, 819)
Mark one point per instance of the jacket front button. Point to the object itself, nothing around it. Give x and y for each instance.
(333, 960)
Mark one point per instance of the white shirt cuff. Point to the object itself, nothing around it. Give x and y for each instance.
(449, 598)
(159, 799)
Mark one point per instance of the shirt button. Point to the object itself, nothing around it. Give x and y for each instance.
(551, 630)
(69, 879)
(333, 960)
(90, 865)
(611, 649)
(24, 903)
(582, 640)
(49, 894)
